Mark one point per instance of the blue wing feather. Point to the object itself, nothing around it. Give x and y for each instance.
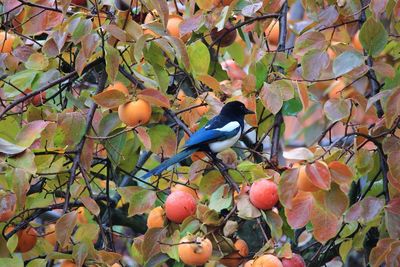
(209, 134)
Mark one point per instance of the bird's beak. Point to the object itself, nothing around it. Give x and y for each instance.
(248, 111)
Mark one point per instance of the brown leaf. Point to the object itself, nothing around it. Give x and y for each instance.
(91, 205)
(30, 132)
(325, 224)
(246, 210)
(110, 98)
(65, 226)
(154, 97)
(392, 107)
(378, 253)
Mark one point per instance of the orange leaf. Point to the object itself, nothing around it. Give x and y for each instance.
(288, 187)
(319, 174)
(154, 97)
(110, 98)
(299, 215)
(325, 224)
(91, 205)
(340, 172)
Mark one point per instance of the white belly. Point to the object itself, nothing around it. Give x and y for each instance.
(222, 145)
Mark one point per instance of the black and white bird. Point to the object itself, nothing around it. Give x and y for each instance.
(220, 133)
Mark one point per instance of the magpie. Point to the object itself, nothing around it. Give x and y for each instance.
(220, 133)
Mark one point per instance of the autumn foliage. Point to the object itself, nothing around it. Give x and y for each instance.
(94, 94)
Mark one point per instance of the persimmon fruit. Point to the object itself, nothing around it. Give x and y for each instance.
(179, 205)
(264, 194)
(185, 188)
(248, 263)
(6, 42)
(356, 41)
(135, 113)
(272, 33)
(26, 238)
(267, 260)
(67, 263)
(156, 218)
(238, 257)
(304, 183)
(8, 203)
(227, 35)
(173, 25)
(194, 250)
(39, 99)
(295, 261)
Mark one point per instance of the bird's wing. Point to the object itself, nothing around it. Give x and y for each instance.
(215, 130)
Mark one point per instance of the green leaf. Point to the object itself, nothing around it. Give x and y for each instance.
(112, 61)
(292, 107)
(12, 243)
(221, 198)
(37, 263)
(140, 199)
(210, 182)
(345, 248)
(373, 36)
(163, 140)
(115, 145)
(30, 132)
(347, 62)
(274, 222)
(199, 58)
(37, 61)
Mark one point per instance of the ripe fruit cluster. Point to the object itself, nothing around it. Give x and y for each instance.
(132, 113)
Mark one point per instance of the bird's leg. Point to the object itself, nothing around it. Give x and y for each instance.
(220, 165)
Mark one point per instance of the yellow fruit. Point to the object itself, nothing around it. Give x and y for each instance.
(135, 113)
(156, 218)
(194, 250)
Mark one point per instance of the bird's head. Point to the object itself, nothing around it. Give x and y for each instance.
(235, 109)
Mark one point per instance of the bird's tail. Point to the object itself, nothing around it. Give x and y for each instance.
(169, 162)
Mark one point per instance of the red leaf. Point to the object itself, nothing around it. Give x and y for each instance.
(299, 215)
(319, 174)
(154, 97)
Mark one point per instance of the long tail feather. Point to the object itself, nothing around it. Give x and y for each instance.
(169, 162)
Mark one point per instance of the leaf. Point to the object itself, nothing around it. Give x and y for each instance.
(378, 253)
(163, 140)
(10, 148)
(271, 98)
(210, 182)
(346, 62)
(325, 224)
(337, 109)
(65, 226)
(140, 200)
(340, 172)
(151, 242)
(377, 97)
(205, 4)
(37, 263)
(116, 32)
(111, 98)
(299, 214)
(313, 63)
(392, 107)
(80, 253)
(172, 251)
(154, 97)
(37, 61)
(392, 217)
(209, 81)
(112, 61)
(300, 153)
(275, 223)
(221, 198)
(30, 132)
(91, 205)
(365, 210)
(345, 248)
(384, 69)
(246, 210)
(287, 187)
(336, 201)
(199, 58)
(373, 36)
(319, 174)
(309, 41)
(377, 7)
